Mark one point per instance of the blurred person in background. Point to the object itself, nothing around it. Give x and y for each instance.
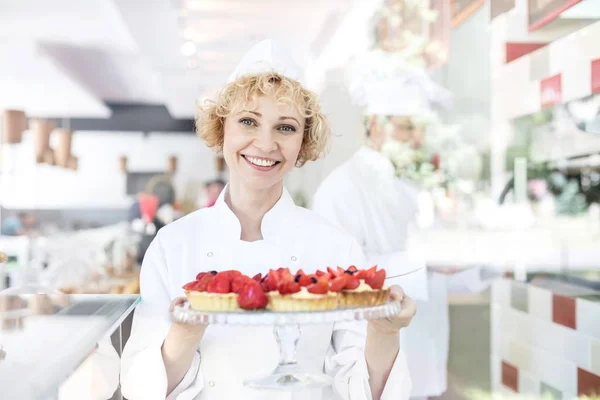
(212, 191)
(21, 224)
(366, 198)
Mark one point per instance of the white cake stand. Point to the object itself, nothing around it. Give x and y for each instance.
(288, 375)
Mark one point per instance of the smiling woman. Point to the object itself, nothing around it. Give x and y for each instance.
(265, 123)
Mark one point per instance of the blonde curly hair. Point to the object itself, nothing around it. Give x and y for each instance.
(210, 118)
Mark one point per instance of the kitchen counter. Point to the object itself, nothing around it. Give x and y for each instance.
(544, 248)
(42, 351)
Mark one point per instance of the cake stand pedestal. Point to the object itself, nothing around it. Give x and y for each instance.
(287, 376)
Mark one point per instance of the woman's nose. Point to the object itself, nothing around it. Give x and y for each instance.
(265, 140)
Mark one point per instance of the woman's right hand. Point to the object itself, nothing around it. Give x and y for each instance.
(179, 347)
(185, 331)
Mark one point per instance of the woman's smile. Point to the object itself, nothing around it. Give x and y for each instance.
(260, 163)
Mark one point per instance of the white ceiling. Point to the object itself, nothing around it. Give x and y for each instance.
(65, 58)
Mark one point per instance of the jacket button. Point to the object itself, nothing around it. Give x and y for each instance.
(209, 254)
(294, 258)
(211, 383)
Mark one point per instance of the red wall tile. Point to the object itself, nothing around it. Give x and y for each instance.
(517, 50)
(510, 376)
(588, 384)
(596, 76)
(563, 311)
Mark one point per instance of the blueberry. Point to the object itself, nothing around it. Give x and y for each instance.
(313, 279)
(297, 278)
(213, 272)
(349, 272)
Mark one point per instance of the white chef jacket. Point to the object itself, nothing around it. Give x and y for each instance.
(364, 197)
(209, 239)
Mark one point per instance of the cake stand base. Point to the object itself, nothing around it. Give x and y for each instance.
(290, 379)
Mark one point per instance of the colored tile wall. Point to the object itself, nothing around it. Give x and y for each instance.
(544, 343)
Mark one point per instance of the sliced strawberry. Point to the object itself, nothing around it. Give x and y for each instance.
(339, 283)
(376, 280)
(352, 268)
(352, 283)
(252, 297)
(219, 284)
(363, 273)
(264, 286)
(288, 287)
(300, 272)
(332, 272)
(305, 280)
(257, 277)
(320, 273)
(321, 287)
(285, 275)
(200, 275)
(232, 273)
(203, 282)
(370, 272)
(238, 283)
(272, 281)
(190, 285)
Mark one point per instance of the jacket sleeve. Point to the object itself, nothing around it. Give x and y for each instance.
(143, 374)
(346, 362)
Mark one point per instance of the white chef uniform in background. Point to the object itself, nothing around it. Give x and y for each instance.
(365, 198)
(209, 239)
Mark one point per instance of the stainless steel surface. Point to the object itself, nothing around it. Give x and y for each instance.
(46, 349)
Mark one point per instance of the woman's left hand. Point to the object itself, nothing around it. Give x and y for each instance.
(392, 325)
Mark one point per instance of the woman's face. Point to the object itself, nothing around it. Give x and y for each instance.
(262, 142)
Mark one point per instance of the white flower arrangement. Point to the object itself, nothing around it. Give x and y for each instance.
(413, 165)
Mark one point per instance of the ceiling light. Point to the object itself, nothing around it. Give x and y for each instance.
(188, 49)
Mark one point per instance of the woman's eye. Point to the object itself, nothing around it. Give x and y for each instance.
(287, 128)
(247, 121)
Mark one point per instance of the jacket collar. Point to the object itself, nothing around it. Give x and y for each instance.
(275, 222)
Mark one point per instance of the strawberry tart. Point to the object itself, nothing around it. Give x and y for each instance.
(282, 291)
(225, 291)
(358, 288)
(299, 292)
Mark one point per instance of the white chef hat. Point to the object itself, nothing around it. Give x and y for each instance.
(395, 97)
(404, 95)
(386, 85)
(264, 57)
